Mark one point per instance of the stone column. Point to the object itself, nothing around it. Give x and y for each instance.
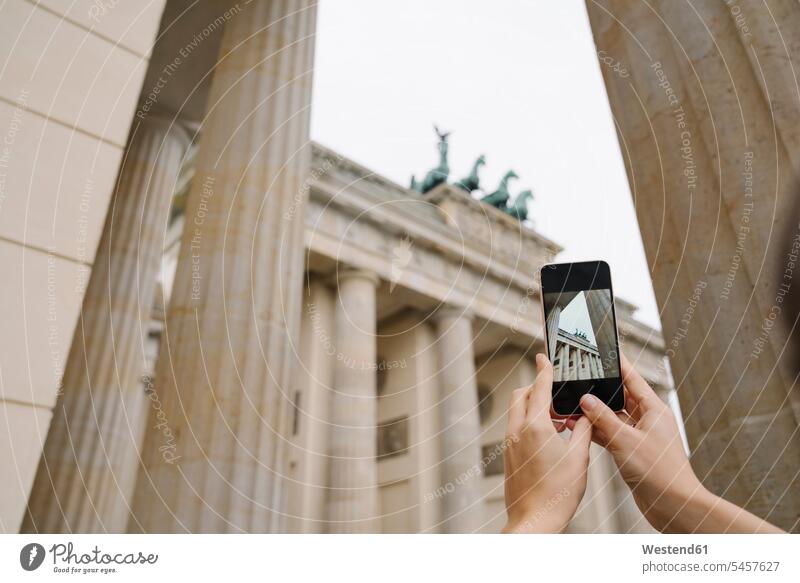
(353, 497)
(462, 508)
(598, 304)
(584, 360)
(563, 362)
(87, 471)
(573, 363)
(599, 366)
(310, 455)
(716, 204)
(552, 331)
(593, 369)
(425, 429)
(229, 342)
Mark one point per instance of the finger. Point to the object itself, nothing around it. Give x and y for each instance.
(632, 408)
(638, 389)
(559, 425)
(542, 392)
(626, 418)
(571, 423)
(581, 435)
(516, 411)
(614, 431)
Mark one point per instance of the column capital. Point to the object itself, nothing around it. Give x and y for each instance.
(450, 312)
(167, 125)
(346, 273)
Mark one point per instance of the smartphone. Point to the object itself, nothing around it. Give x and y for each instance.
(581, 334)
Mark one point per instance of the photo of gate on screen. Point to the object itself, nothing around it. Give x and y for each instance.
(581, 336)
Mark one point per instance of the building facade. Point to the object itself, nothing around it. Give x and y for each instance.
(268, 337)
(576, 358)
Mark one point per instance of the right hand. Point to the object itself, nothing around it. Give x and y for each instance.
(647, 447)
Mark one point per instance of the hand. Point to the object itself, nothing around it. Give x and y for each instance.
(647, 447)
(545, 473)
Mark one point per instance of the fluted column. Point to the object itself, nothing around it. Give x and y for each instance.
(716, 203)
(353, 497)
(563, 362)
(572, 357)
(462, 508)
(312, 390)
(233, 320)
(552, 331)
(598, 304)
(87, 472)
(583, 364)
(593, 371)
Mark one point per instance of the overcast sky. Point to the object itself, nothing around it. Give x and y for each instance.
(576, 317)
(516, 80)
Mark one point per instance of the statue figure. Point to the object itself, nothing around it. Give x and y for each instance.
(500, 197)
(439, 174)
(519, 209)
(472, 182)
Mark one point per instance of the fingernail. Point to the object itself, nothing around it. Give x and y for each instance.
(589, 402)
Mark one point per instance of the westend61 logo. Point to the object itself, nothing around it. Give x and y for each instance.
(66, 560)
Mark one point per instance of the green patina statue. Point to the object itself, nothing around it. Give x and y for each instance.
(519, 209)
(439, 174)
(499, 198)
(472, 182)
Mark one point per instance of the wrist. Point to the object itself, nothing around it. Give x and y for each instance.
(712, 514)
(535, 522)
(694, 510)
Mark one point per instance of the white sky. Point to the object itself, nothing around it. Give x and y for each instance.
(576, 317)
(518, 82)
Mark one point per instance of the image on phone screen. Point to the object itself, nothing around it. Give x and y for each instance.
(581, 334)
(584, 345)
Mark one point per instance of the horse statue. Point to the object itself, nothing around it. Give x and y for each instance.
(472, 182)
(499, 197)
(439, 174)
(519, 210)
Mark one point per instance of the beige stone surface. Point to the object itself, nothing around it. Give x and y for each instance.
(132, 25)
(712, 165)
(227, 352)
(56, 184)
(101, 413)
(309, 457)
(39, 308)
(406, 347)
(24, 429)
(460, 440)
(353, 496)
(74, 76)
(66, 102)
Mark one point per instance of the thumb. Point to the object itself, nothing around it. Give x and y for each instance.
(613, 430)
(581, 435)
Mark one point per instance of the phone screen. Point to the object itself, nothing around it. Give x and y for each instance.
(581, 334)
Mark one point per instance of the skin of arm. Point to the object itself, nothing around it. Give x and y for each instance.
(545, 473)
(646, 445)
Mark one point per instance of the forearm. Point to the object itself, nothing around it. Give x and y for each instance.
(706, 513)
(533, 525)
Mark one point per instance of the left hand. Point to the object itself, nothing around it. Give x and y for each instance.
(545, 473)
